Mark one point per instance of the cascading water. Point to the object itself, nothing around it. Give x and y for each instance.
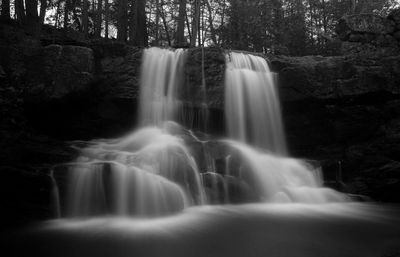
(254, 118)
(148, 172)
(156, 170)
(161, 78)
(251, 103)
(162, 168)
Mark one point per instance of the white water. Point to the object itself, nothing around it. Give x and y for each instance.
(161, 80)
(257, 230)
(162, 168)
(146, 173)
(252, 106)
(281, 179)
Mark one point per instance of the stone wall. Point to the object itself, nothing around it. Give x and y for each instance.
(368, 34)
(336, 109)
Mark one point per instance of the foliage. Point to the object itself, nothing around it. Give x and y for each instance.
(296, 27)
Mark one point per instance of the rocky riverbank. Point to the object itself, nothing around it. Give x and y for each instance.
(342, 110)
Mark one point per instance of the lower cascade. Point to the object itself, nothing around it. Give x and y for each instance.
(162, 168)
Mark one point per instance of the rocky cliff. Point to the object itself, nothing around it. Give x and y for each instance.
(341, 110)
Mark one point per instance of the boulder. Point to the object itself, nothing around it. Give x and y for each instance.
(371, 24)
(395, 17)
(313, 77)
(56, 71)
(369, 34)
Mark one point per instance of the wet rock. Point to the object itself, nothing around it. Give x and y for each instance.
(395, 16)
(56, 71)
(349, 25)
(24, 196)
(368, 35)
(335, 77)
(213, 62)
(117, 69)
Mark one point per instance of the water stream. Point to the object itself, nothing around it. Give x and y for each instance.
(190, 181)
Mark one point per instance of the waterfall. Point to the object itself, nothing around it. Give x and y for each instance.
(161, 79)
(162, 168)
(148, 172)
(252, 106)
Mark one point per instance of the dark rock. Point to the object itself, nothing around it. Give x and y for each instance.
(363, 23)
(213, 61)
(56, 71)
(117, 69)
(2, 72)
(397, 35)
(24, 196)
(335, 77)
(368, 34)
(395, 16)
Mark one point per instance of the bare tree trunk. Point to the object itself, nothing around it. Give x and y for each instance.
(43, 8)
(31, 11)
(188, 25)
(157, 36)
(165, 23)
(122, 23)
(324, 18)
(76, 16)
(220, 39)
(210, 21)
(180, 33)
(353, 5)
(5, 9)
(131, 20)
(20, 10)
(85, 18)
(139, 23)
(106, 18)
(66, 13)
(99, 19)
(58, 14)
(199, 26)
(195, 23)
(32, 17)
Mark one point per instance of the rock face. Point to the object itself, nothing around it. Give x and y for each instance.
(345, 109)
(342, 110)
(367, 34)
(57, 71)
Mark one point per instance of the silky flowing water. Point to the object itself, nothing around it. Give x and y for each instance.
(166, 190)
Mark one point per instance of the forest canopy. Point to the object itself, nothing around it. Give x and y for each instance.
(295, 27)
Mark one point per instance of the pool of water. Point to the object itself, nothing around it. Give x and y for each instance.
(284, 230)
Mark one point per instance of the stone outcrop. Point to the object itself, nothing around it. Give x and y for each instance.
(57, 71)
(369, 34)
(342, 110)
(324, 78)
(345, 109)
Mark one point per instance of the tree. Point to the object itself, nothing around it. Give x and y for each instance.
(122, 21)
(20, 10)
(106, 18)
(137, 28)
(98, 20)
(195, 23)
(5, 9)
(164, 20)
(180, 33)
(43, 9)
(85, 18)
(157, 24)
(32, 21)
(66, 13)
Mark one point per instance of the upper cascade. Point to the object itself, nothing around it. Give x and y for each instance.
(252, 108)
(162, 168)
(161, 80)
